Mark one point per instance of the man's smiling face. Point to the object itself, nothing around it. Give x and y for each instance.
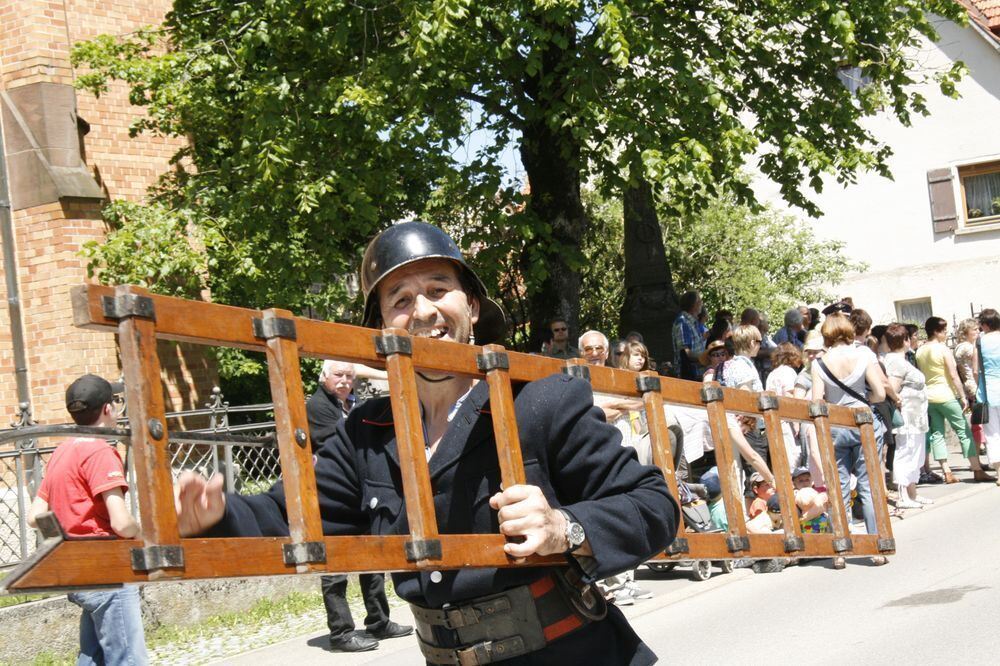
(427, 299)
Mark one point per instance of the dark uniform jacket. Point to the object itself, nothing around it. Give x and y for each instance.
(324, 411)
(569, 451)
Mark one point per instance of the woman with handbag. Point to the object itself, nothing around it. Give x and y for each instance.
(840, 378)
(946, 402)
(987, 372)
(911, 429)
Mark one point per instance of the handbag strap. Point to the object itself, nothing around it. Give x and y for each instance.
(843, 387)
(982, 368)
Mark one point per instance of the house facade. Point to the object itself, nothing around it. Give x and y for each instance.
(930, 236)
(66, 154)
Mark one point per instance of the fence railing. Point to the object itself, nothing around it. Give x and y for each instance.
(245, 454)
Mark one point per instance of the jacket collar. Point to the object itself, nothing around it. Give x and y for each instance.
(465, 432)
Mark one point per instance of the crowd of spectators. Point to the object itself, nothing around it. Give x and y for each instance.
(920, 383)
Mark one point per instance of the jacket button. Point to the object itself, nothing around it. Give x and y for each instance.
(436, 576)
(373, 503)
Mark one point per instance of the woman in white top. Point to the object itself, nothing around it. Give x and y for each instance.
(855, 367)
(989, 383)
(966, 333)
(785, 363)
(911, 437)
(811, 350)
(740, 372)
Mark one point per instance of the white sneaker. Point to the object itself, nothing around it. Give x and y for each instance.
(638, 592)
(624, 597)
(923, 500)
(907, 503)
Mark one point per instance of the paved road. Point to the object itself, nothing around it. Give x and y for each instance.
(936, 602)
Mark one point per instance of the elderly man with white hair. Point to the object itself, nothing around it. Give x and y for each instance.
(794, 324)
(332, 401)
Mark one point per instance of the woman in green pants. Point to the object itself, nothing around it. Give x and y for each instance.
(946, 401)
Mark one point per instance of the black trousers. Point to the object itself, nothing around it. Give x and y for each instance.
(338, 612)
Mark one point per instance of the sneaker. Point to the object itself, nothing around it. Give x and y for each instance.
(923, 500)
(908, 504)
(624, 597)
(638, 592)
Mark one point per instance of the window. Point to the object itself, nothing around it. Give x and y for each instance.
(915, 311)
(980, 184)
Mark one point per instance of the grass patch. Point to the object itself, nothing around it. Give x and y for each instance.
(265, 611)
(49, 659)
(15, 599)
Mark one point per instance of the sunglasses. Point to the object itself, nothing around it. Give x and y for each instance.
(721, 352)
(559, 330)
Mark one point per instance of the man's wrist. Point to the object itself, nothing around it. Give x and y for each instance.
(573, 534)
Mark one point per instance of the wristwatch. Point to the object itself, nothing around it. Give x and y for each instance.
(575, 536)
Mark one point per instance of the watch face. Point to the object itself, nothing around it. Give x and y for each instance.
(576, 534)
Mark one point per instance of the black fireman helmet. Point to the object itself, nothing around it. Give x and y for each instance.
(405, 243)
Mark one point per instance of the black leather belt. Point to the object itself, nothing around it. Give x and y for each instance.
(506, 625)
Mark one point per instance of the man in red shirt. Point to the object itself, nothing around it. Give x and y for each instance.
(84, 486)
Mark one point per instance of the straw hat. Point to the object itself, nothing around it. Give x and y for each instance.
(712, 346)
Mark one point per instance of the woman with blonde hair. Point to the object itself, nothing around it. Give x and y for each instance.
(741, 373)
(840, 378)
(811, 350)
(966, 361)
(785, 363)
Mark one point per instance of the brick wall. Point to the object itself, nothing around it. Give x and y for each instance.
(35, 40)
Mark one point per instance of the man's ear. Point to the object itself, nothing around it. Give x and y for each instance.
(473, 308)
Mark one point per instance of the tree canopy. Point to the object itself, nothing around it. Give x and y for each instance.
(313, 123)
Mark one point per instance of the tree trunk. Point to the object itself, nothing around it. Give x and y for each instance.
(550, 159)
(650, 300)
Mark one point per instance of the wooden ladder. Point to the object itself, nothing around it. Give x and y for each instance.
(140, 319)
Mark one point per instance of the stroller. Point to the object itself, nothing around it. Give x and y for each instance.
(694, 510)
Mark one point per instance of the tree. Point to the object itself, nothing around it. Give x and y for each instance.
(736, 256)
(313, 123)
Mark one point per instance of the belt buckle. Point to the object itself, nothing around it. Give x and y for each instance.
(488, 651)
(456, 617)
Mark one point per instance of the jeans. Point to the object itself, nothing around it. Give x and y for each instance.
(850, 460)
(338, 612)
(111, 627)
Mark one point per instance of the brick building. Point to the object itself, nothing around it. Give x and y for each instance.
(67, 153)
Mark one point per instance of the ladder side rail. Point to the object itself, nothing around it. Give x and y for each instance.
(225, 325)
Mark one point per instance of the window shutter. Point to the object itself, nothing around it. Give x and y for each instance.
(944, 214)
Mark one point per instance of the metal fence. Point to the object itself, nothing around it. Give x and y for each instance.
(245, 453)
